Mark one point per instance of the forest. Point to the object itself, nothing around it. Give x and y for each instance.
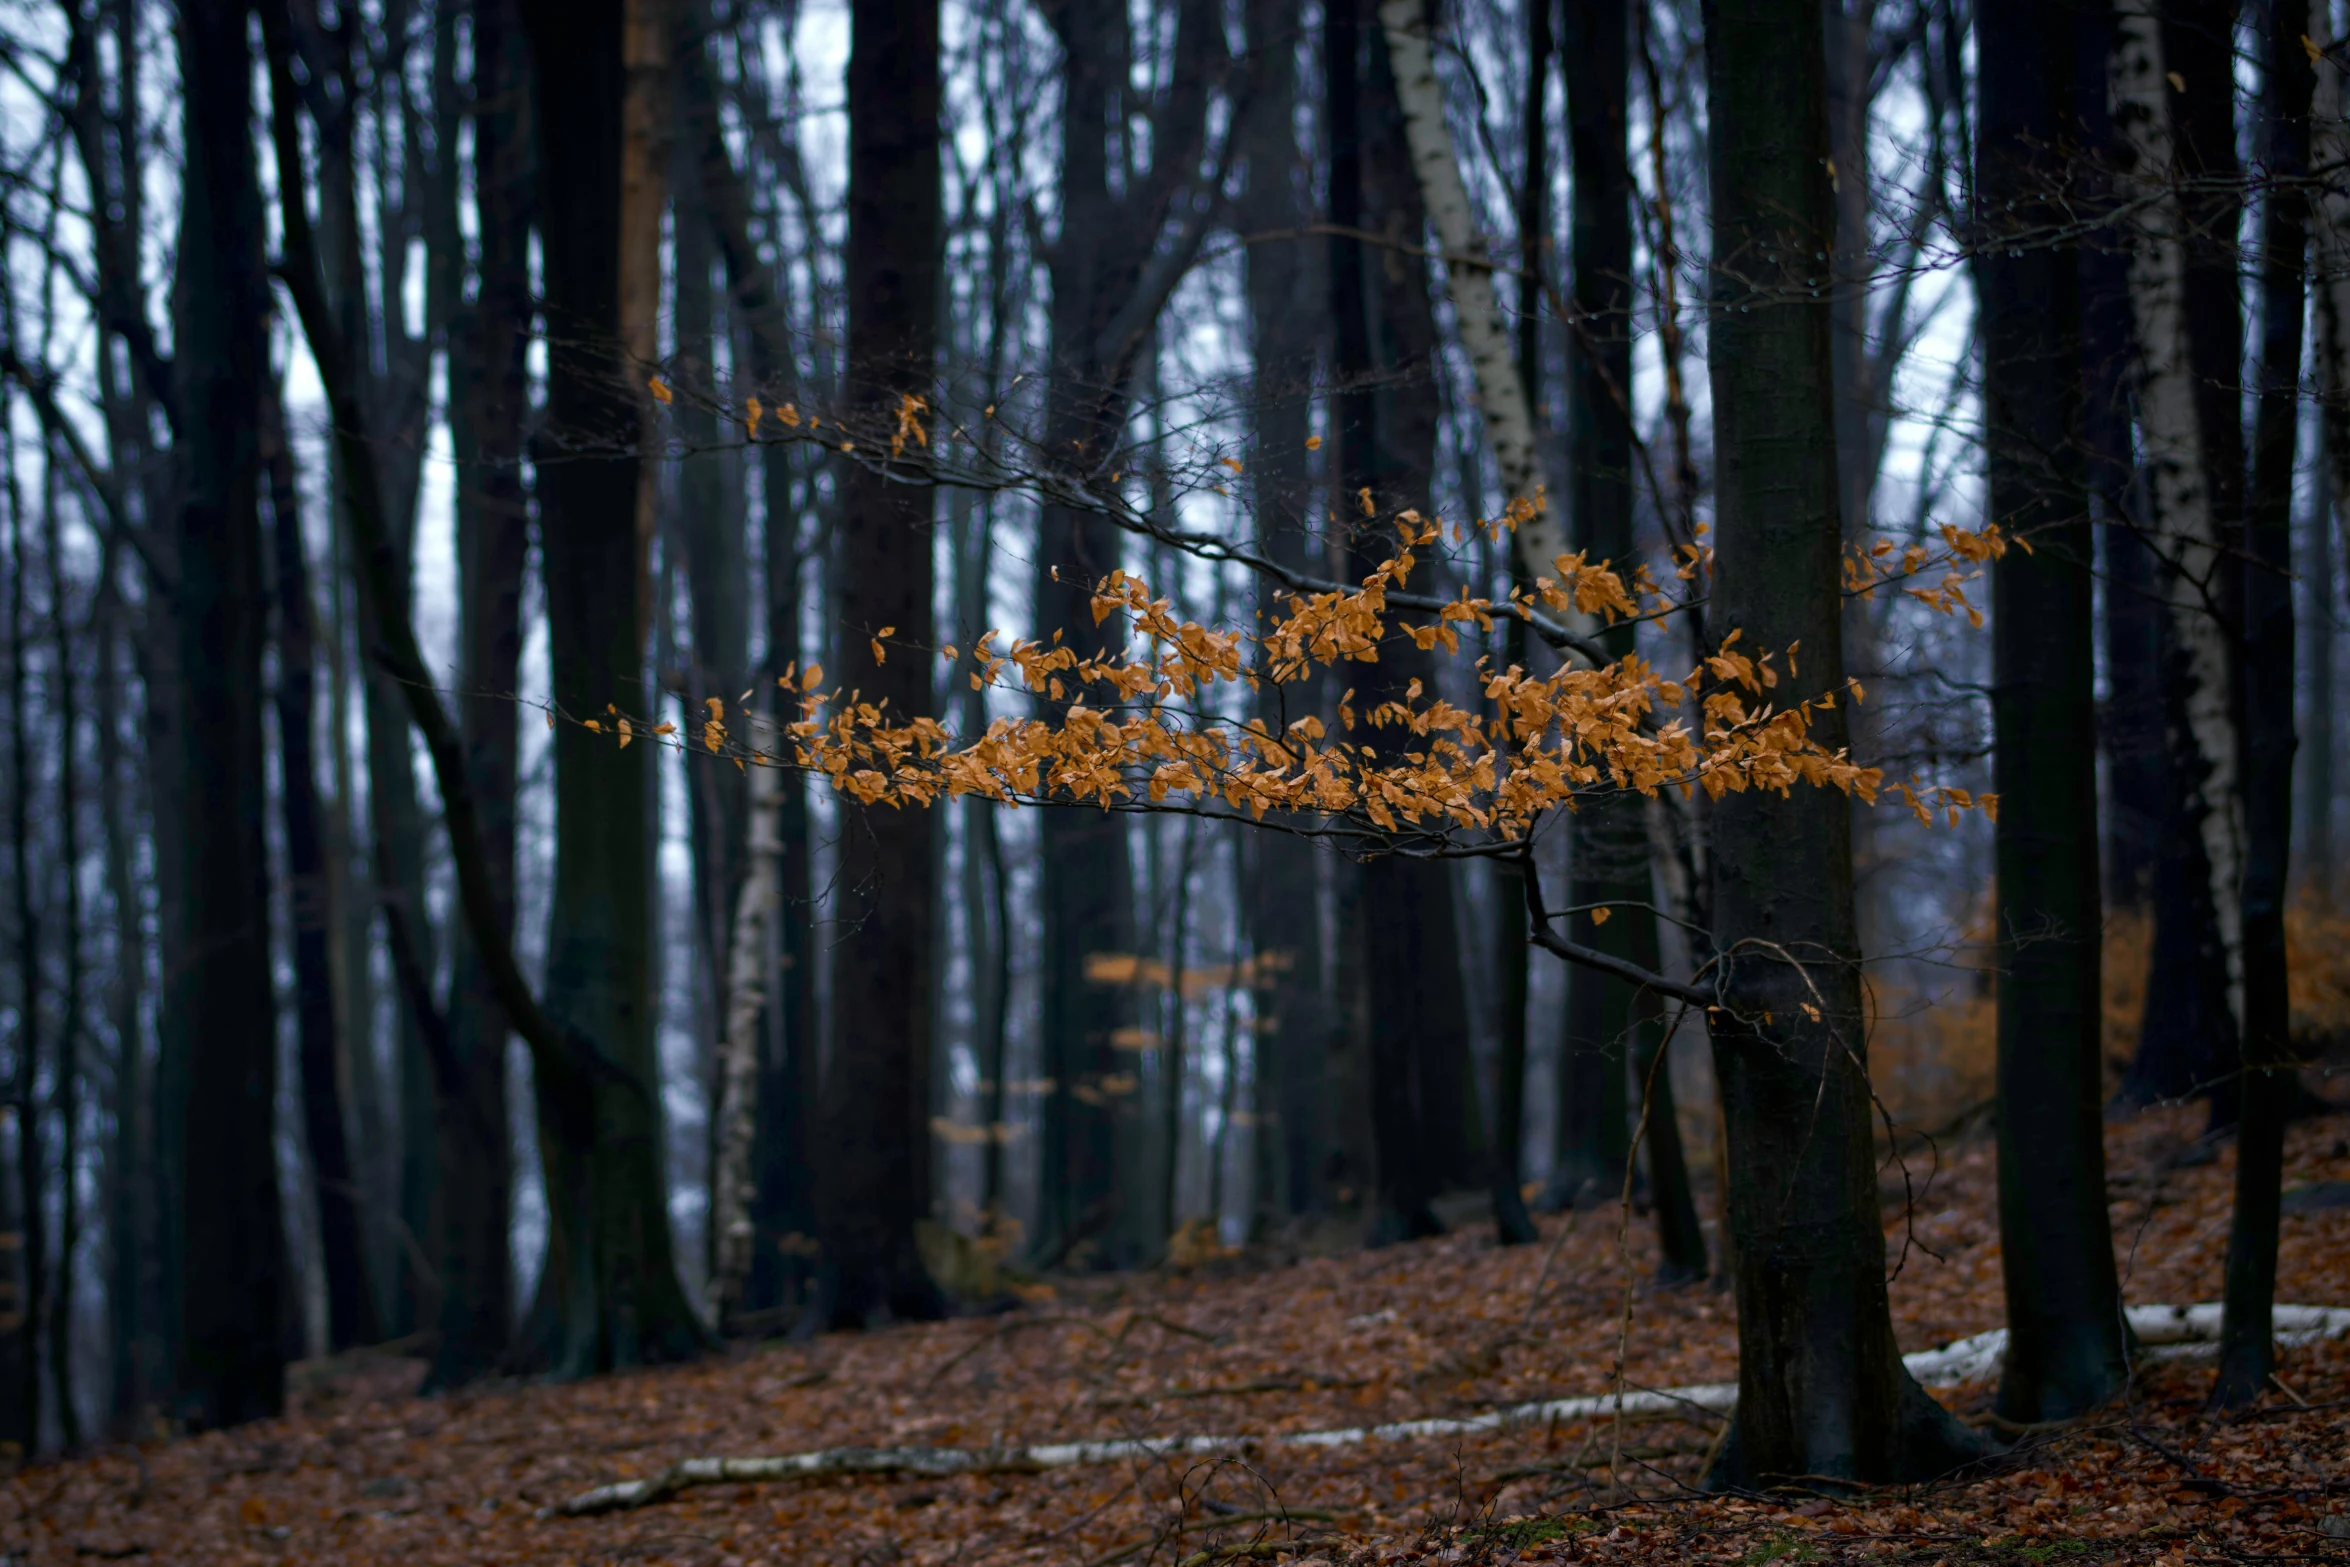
(1104, 781)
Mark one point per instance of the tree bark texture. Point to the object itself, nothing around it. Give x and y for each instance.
(2175, 423)
(1822, 1391)
(732, 1184)
(609, 1294)
(2270, 1081)
(1502, 396)
(2067, 1351)
(874, 1186)
(219, 1010)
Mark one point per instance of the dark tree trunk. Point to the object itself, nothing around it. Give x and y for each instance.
(131, 1247)
(1822, 1391)
(609, 1295)
(1086, 883)
(1512, 951)
(2315, 800)
(218, 1008)
(2066, 1349)
(873, 1186)
(1286, 938)
(1424, 1126)
(2270, 1082)
(20, 1305)
(2132, 722)
(350, 1298)
(71, 1027)
(1096, 1179)
(490, 386)
(1606, 1019)
(2130, 726)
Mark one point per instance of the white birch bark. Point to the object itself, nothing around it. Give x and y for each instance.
(2185, 531)
(738, 1047)
(1501, 397)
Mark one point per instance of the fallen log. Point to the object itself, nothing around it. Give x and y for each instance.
(2162, 1332)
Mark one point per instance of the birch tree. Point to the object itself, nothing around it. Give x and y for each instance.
(732, 1181)
(1501, 394)
(2183, 523)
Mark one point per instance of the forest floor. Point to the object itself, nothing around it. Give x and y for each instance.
(1259, 1343)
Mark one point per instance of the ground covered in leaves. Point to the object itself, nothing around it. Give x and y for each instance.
(1265, 1343)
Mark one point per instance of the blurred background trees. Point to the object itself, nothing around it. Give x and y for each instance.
(279, 1087)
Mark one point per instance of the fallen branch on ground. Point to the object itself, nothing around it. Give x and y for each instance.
(2167, 1332)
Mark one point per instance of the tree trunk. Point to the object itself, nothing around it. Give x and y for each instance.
(2195, 36)
(785, 1091)
(350, 1297)
(2316, 796)
(70, 1025)
(1512, 950)
(1822, 1391)
(490, 386)
(735, 1103)
(2066, 1352)
(20, 1307)
(2204, 742)
(2271, 1080)
(873, 1187)
(1282, 895)
(218, 1006)
(609, 1294)
(1444, 198)
(1424, 1127)
(1109, 279)
(710, 526)
(133, 1355)
(1609, 842)
(2330, 258)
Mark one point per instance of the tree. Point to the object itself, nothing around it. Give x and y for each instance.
(220, 1057)
(784, 1086)
(2197, 976)
(1822, 1391)
(20, 1320)
(488, 340)
(1610, 845)
(609, 1294)
(2271, 1079)
(2066, 1351)
(350, 1294)
(1513, 954)
(875, 1185)
(1111, 275)
(1295, 1029)
(1384, 416)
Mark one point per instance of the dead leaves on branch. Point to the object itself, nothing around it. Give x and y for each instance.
(1168, 716)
